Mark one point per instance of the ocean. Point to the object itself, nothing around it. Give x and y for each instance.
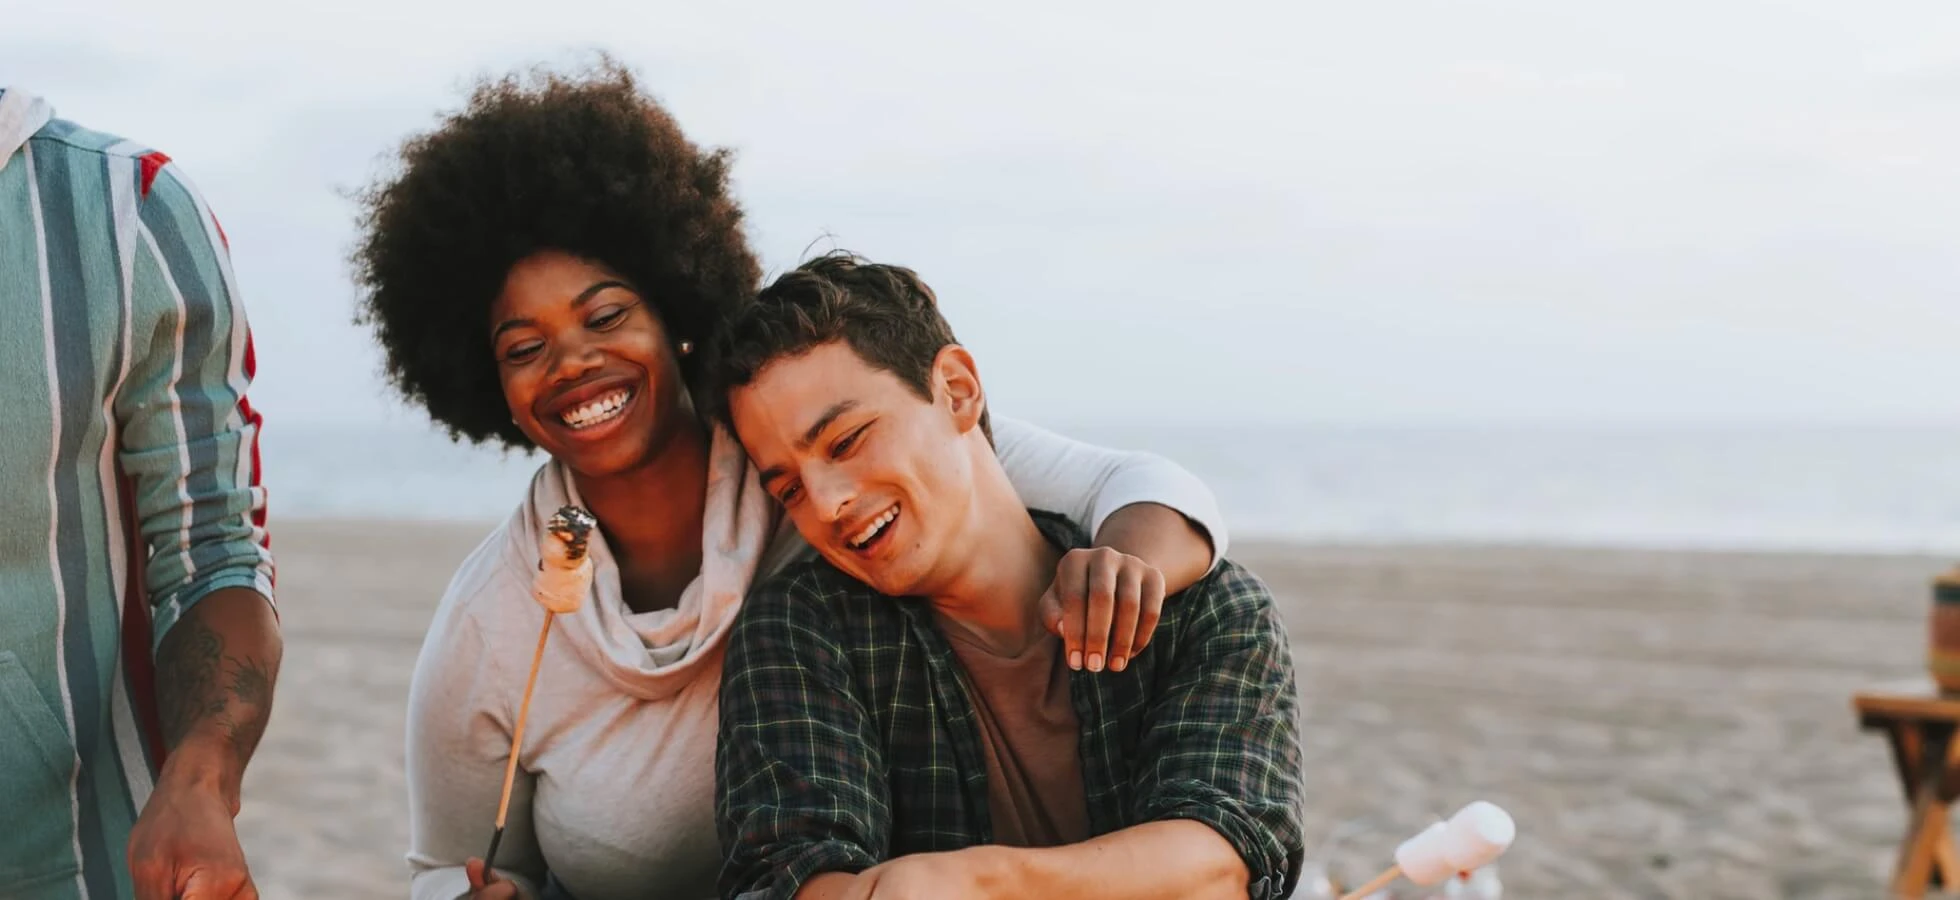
(1866, 489)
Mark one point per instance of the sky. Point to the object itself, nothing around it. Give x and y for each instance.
(1366, 212)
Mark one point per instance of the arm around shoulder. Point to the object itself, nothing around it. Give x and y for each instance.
(1089, 483)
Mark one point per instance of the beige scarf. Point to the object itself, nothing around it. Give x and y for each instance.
(653, 654)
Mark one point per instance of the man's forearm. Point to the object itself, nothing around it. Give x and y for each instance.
(215, 675)
(1173, 860)
(1162, 537)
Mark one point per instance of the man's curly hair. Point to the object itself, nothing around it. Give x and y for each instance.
(584, 164)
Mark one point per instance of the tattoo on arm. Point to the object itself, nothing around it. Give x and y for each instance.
(197, 680)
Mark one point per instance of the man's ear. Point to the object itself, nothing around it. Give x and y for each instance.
(956, 380)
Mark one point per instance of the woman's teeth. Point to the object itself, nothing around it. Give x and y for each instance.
(602, 409)
(872, 530)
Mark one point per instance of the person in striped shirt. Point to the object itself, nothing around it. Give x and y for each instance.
(138, 642)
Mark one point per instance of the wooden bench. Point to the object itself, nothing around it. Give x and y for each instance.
(1920, 722)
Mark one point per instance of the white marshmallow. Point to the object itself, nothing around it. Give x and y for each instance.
(1479, 834)
(561, 584)
(1473, 838)
(1422, 859)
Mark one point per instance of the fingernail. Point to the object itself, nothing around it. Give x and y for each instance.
(1075, 660)
(1095, 662)
(1116, 664)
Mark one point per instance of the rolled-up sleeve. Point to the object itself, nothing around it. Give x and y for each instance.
(189, 442)
(1088, 483)
(800, 787)
(1221, 742)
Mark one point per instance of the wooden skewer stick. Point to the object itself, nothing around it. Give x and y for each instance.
(564, 576)
(1374, 884)
(517, 741)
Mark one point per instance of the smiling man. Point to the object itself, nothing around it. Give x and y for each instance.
(895, 721)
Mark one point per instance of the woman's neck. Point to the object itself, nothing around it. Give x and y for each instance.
(652, 518)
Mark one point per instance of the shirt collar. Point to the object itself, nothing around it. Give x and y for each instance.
(21, 115)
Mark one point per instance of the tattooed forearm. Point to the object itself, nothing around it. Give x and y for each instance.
(199, 684)
(188, 666)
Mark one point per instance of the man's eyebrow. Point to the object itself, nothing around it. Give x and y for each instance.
(824, 421)
(584, 297)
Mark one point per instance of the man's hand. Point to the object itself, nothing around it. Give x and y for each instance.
(215, 674)
(1104, 604)
(184, 846)
(481, 888)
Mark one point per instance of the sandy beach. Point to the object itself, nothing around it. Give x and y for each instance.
(1661, 724)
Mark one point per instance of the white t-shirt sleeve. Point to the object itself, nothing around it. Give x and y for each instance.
(459, 726)
(1087, 483)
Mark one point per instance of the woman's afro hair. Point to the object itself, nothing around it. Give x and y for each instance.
(584, 164)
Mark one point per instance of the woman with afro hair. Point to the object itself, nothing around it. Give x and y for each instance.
(540, 270)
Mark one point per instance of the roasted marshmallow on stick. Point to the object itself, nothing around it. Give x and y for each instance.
(564, 577)
(564, 568)
(1473, 838)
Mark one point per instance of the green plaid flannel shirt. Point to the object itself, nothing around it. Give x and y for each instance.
(848, 738)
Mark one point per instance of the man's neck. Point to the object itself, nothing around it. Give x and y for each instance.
(652, 518)
(995, 597)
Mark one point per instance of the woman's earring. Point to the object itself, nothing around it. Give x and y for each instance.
(687, 347)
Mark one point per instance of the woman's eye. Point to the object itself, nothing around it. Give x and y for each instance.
(523, 351)
(790, 493)
(608, 318)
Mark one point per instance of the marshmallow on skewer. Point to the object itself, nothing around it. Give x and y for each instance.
(564, 566)
(1473, 838)
(564, 577)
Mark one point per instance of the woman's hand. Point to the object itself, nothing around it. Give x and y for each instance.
(1104, 605)
(481, 888)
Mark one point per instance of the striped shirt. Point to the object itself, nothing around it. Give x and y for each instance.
(131, 480)
(849, 737)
